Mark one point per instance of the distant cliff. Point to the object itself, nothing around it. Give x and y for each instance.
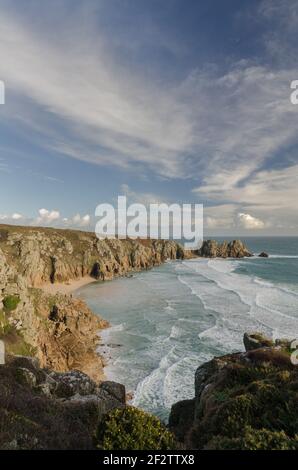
(44, 255)
(59, 330)
(233, 249)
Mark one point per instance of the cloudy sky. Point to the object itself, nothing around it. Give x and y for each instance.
(161, 100)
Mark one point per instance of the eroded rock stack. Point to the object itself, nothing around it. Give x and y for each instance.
(214, 249)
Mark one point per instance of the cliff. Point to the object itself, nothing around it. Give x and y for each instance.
(42, 255)
(59, 330)
(242, 401)
(233, 249)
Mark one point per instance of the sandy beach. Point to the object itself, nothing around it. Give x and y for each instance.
(68, 287)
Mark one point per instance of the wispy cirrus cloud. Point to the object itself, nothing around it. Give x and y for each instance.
(224, 127)
(206, 121)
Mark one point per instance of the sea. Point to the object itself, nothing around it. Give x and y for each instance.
(167, 321)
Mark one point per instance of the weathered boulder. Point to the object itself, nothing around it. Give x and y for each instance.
(181, 418)
(263, 255)
(72, 383)
(256, 341)
(114, 389)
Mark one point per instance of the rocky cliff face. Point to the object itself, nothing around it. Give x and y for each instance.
(242, 401)
(213, 249)
(59, 330)
(43, 255)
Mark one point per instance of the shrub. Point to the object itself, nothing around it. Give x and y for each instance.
(11, 302)
(234, 414)
(133, 429)
(264, 439)
(254, 439)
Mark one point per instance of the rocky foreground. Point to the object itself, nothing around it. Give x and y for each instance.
(245, 401)
(60, 331)
(43, 409)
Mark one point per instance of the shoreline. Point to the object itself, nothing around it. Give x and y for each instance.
(68, 287)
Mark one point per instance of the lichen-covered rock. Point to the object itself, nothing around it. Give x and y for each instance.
(256, 341)
(40, 409)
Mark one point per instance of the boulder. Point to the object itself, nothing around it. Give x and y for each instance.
(256, 341)
(263, 255)
(181, 418)
(72, 383)
(114, 389)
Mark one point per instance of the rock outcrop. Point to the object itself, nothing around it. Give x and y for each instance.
(43, 255)
(256, 341)
(59, 330)
(242, 401)
(263, 255)
(213, 249)
(41, 409)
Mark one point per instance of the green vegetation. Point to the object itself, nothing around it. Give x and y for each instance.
(13, 338)
(252, 439)
(133, 429)
(252, 406)
(5, 326)
(11, 302)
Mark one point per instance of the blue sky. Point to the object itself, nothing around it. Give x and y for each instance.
(161, 100)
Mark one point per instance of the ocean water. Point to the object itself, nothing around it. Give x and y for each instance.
(168, 321)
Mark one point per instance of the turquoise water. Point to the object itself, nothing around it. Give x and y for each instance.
(167, 321)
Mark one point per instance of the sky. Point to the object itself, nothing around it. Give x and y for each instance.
(163, 100)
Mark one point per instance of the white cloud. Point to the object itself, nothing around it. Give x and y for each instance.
(79, 221)
(85, 220)
(17, 216)
(76, 219)
(249, 222)
(47, 216)
(140, 197)
(11, 218)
